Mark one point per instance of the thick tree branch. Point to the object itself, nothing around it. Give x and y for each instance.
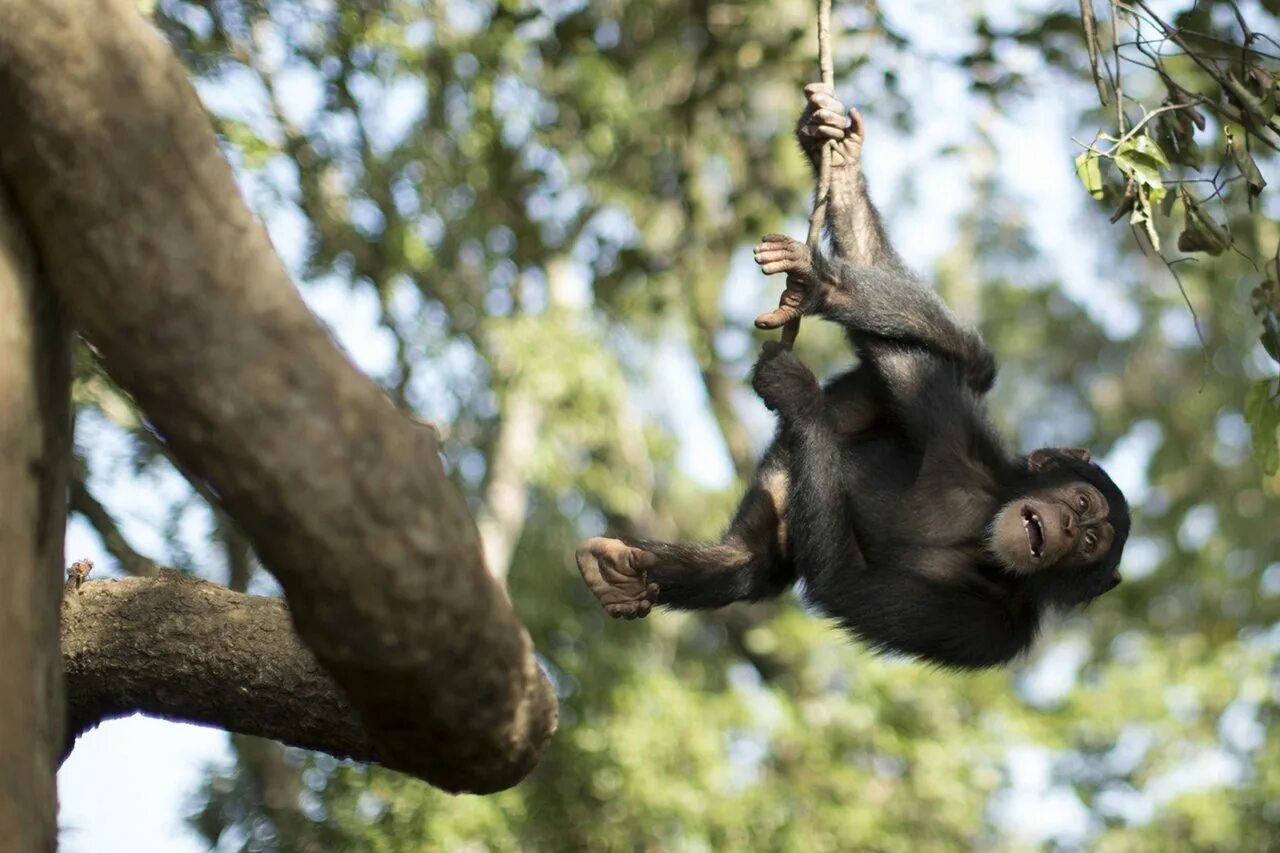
(185, 649)
(167, 273)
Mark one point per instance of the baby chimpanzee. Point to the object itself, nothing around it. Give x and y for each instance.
(886, 492)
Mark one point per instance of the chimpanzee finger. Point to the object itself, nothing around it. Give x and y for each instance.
(778, 266)
(818, 89)
(856, 127)
(784, 244)
(765, 254)
(826, 102)
(829, 118)
(777, 318)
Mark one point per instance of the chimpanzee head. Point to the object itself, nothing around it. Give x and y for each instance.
(1062, 528)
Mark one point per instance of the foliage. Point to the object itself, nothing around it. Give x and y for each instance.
(1204, 60)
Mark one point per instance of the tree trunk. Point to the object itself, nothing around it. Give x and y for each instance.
(35, 376)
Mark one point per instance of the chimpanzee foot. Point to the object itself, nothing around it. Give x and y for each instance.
(780, 253)
(617, 574)
(785, 384)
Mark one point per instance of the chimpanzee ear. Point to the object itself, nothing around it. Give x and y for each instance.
(1047, 457)
(1040, 460)
(1113, 581)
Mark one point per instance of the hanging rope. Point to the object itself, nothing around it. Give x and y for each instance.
(818, 218)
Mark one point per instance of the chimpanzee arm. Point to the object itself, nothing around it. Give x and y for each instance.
(853, 224)
(897, 307)
(873, 303)
(748, 563)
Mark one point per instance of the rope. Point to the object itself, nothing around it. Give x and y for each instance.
(818, 218)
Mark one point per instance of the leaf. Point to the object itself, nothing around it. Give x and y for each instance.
(1090, 173)
(1142, 159)
(1254, 103)
(1244, 162)
(1200, 233)
(1265, 301)
(1262, 412)
(1176, 134)
(1144, 198)
(1270, 336)
(1194, 238)
(1148, 147)
(1267, 88)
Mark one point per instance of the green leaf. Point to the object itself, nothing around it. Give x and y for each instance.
(1143, 201)
(1090, 173)
(1147, 147)
(1262, 411)
(1142, 162)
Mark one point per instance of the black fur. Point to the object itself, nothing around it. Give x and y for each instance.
(887, 522)
(881, 488)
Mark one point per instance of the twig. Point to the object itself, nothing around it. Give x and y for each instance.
(1091, 42)
(1195, 318)
(1137, 127)
(1115, 53)
(819, 216)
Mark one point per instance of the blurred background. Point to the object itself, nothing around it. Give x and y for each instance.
(531, 220)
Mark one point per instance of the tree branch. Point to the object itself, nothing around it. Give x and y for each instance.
(147, 240)
(506, 495)
(185, 649)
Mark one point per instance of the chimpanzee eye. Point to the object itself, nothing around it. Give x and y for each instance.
(1083, 502)
(1090, 541)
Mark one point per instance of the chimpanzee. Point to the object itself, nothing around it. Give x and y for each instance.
(887, 492)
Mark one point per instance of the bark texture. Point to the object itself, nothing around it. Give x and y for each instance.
(35, 376)
(185, 649)
(166, 272)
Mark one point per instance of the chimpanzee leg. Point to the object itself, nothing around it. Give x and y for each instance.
(823, 543)
(749, 563)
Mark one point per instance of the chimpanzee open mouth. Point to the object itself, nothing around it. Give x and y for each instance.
(1035, 531)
